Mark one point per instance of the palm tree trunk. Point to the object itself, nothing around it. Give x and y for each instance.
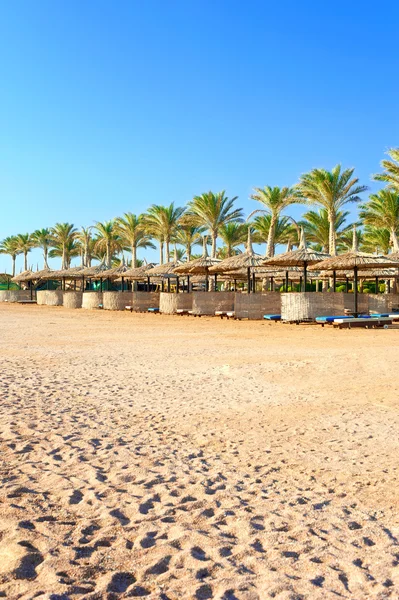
(270, 237)
(167, 253)
(188, 252)
(63, 266)
(332, 250)
(25, 261)
(161, 253)
(108, 256)
(13, 257)
(45, 255)
(214, 239)
(134, 256)
(395, 242)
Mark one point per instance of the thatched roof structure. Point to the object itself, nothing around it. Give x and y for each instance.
(198, 266)
(21, 277)
(297, 258)
(72, 273)
(96, 271)
(356, 260)
(245, 260)
(35, 276)
(115, 272)
(139, 273)
(163, 270)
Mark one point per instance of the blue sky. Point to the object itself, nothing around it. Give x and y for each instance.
(108, 107)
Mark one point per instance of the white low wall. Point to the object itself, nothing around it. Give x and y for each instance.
(142, 301)
(15, 295)
(91, 300)
(116, 300)
(169, 303)
(206, 303)
(73, 299)
(254, 306)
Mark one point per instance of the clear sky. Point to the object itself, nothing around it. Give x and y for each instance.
(108, 107)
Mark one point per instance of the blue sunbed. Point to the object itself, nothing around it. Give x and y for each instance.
(331, 319)
(153, 310)
(272, 317)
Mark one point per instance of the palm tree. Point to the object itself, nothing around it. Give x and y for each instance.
(66, 251)
(330, 190)
(212, 211)
(275, 200)
(62, 235)
(10, 246)
(284, 231)
(132, 231)
(376, 239)
(85, 241)
(317, 227)
(233, 234)
(391, 175)
(41, 238)
(162, 222)
(108, 240)
(24, 245)
(189, 236)
(382, 210)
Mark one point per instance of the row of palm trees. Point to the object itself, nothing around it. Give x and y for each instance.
(217, 216)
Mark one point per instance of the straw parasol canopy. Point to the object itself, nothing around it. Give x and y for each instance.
(246, 260)
(164, 270)
(35, 276)
(355, 261)
(72, 273)
(96, 271)
(22, 277)
(138, 273)
(198, 266)
(115, 272)
(302, 257)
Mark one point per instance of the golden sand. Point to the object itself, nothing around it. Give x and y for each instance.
(172, 458)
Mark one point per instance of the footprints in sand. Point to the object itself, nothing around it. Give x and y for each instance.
(133, 485)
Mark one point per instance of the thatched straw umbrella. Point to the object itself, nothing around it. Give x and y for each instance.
(22, 277)
(37, 275)
(355, 261)
(138, 274)
(165, 271)
(199, 266)
(95, 272)
(246, 260)
(116, 273)
(63, 274)
(302, 257)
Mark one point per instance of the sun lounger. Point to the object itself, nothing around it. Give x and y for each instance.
(182, 311)
(367, 322)
(229, 314)
(153, 310)
(329, 320)
(272, 317)
(129, 308)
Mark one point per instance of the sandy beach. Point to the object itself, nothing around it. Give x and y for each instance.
(172, 458)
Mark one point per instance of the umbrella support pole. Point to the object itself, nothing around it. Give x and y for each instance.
(355, 291)
(334, 280)
(177, 285)
(249, 280)
(376, 285)
(286, 281)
